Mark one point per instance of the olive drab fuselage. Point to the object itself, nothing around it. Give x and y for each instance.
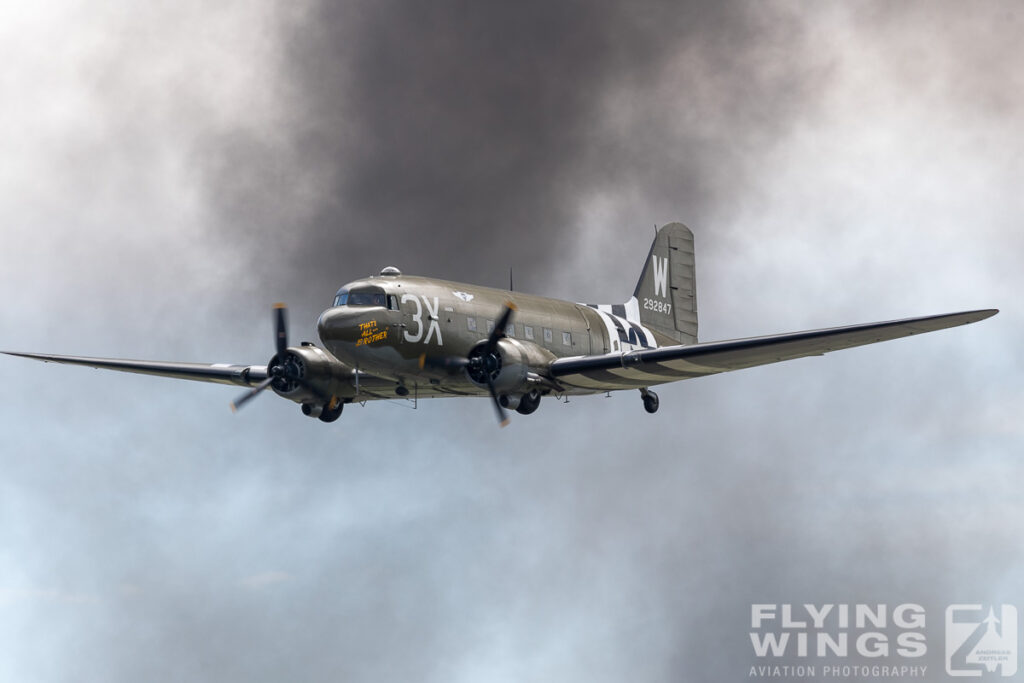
(415, 317)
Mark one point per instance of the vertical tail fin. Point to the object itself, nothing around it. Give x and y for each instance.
(666, 294)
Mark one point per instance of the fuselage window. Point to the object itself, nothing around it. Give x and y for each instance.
(490, 326)
(567, 339)
(528, 331)
(471, 323)
(510, 330)
(547, 335)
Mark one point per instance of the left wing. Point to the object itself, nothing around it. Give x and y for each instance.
(363, 386)
(648, 367)
(221, 373)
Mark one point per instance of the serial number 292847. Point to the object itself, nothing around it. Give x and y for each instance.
(657, 306)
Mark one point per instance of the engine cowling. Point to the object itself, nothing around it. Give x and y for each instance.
(508, 367)
(312, 376)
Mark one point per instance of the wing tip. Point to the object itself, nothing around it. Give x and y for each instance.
(978, 315)
(27, 354)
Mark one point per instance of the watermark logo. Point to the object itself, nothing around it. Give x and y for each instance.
(866, 641)
(981, 640)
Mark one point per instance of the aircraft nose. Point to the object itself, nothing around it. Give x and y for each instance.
(340, 324)
(331, 321)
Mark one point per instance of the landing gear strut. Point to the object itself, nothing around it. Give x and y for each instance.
(650, 400)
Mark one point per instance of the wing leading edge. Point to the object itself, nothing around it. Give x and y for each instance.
(221, 373)
(671, 363)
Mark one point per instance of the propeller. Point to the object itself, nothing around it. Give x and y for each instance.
(279, 368)
(251, 394)
(483, 362)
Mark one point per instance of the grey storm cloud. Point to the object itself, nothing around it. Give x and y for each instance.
(469, 134)
(169, 172)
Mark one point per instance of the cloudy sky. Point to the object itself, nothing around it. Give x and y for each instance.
(168, 171)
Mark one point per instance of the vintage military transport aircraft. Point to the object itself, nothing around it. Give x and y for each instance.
(395, 335)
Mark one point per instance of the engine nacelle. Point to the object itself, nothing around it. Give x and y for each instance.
(510, 401)
(508, 367)
(312, 376)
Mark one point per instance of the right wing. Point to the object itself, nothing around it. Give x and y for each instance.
(648, 367)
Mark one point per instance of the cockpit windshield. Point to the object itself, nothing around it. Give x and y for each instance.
(364, 296)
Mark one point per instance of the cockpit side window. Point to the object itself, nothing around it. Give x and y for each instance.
(341, 298)
(392, 302)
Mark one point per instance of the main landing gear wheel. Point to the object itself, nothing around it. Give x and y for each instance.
(650, 400)
(332, 411)
(528, 403)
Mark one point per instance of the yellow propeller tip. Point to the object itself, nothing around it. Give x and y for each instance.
(279, 305)
(504, 423)
(423, 360)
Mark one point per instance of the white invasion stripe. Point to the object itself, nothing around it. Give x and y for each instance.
(687, 366)
(632, 318)
(604, 308)
(650, 335)
(221, 365)
(639, 375)
(582, 381)
(609, 326)
(633, 309)
(597, 387)
(627, 324)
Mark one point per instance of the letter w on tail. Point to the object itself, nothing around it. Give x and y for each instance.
(660, 275)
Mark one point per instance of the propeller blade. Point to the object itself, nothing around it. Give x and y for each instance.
(281, 329)
(499, 326)
(502, 419)
(250, 395)
(278, 370)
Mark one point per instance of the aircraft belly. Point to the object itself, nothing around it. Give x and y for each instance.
(375, 388)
